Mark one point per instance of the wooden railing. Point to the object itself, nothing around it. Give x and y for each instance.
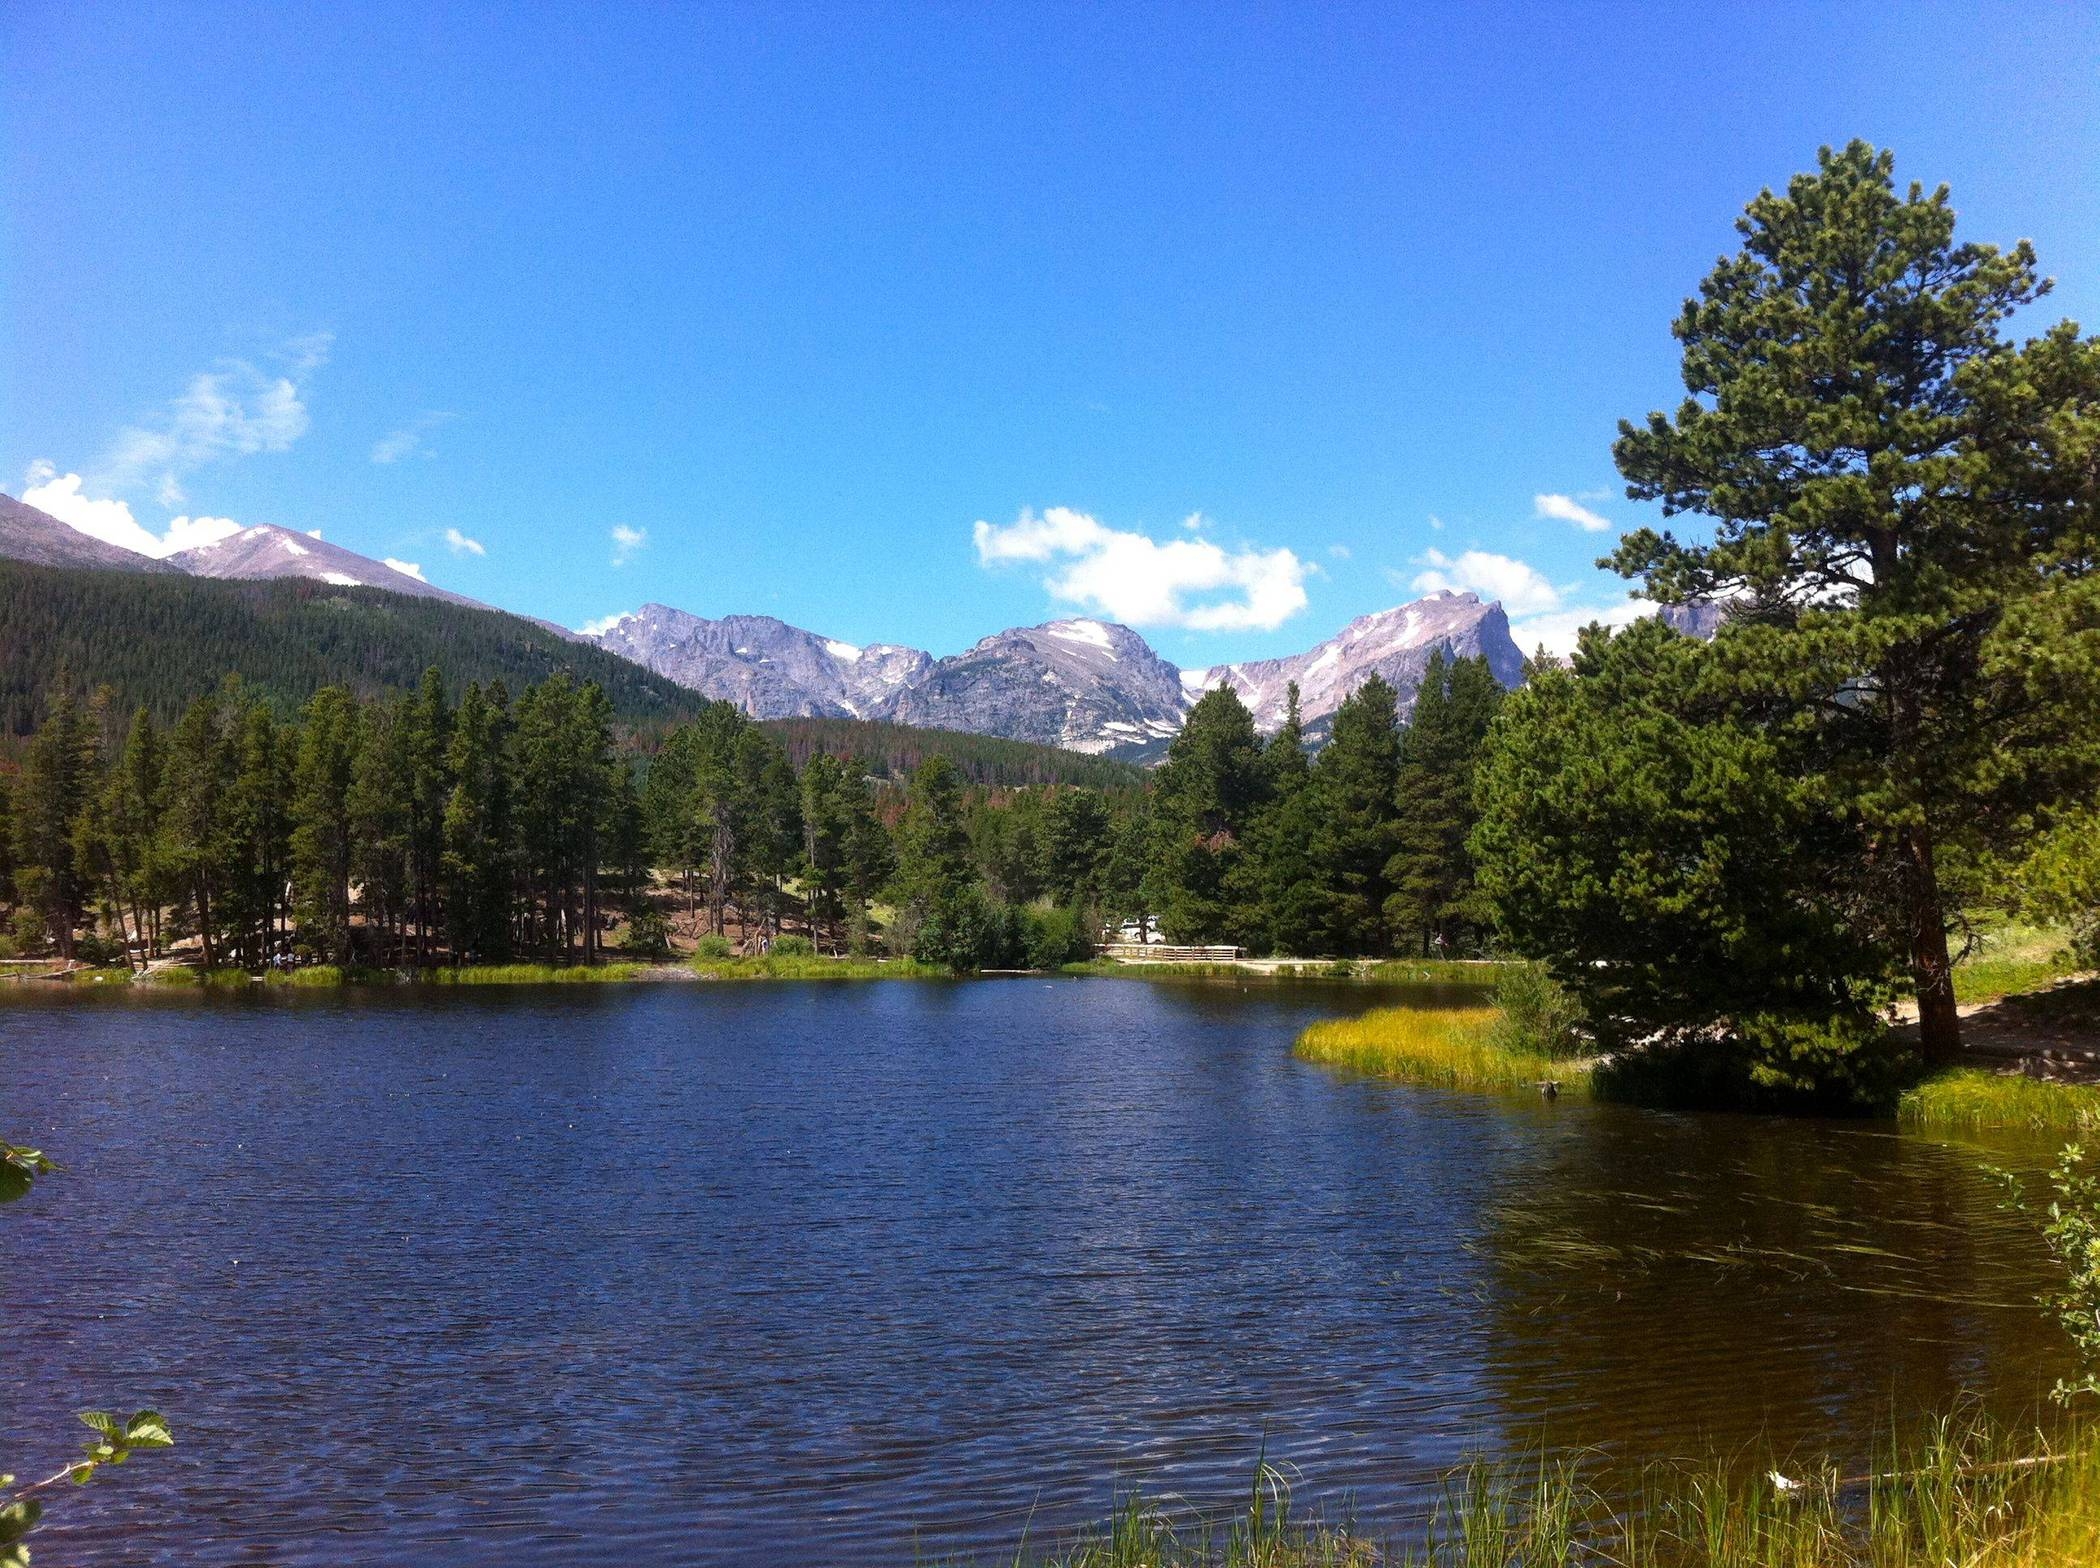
(1164, 953)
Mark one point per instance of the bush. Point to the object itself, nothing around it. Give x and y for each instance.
(1846, 1065)
(712, 946)
(1054, 937)
(794, 947)
(649, 934)
(1538, 1016)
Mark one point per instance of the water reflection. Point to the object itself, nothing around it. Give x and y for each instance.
(1697, 1285)
(855, 1274)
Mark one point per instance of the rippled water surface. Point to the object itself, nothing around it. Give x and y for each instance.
(865, 1273)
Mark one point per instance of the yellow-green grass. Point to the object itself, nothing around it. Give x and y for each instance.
(2011, 959)
(535, 974)
(1444, 1048)
(1971, 1099)
(803, 966)
(1964, 1497)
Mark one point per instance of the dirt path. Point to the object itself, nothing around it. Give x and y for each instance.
(2053, 1033)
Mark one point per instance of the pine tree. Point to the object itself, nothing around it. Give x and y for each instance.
(321, 849)
(200, 770)
(1354, 818)
(52, 793)
(870, 857)
(1075, 845)
(1205, 796)
(1904, 515)
(477, 862)
(1431, 872)
(936, 881)
(1284, 883)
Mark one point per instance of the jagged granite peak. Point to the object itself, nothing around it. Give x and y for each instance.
(267, 551)
(765, 666)
(1395, 644)
(27, 534)
(1085, 685)
(1699, 618)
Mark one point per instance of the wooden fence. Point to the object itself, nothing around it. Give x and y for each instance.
(1163, 953)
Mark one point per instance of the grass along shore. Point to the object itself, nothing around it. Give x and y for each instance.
(1964, 1496)
(1446, 1048)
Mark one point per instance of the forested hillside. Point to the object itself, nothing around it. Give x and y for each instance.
(895, 750)
(162, 640)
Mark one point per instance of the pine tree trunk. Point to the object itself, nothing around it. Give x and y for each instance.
(1939, 1019)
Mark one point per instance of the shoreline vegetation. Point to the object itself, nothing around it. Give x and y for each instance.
(1964, 1493)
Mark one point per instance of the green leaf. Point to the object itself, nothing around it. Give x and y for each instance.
(17, 1519)
(82, 1471)
(103, 1422)
(149, 1429)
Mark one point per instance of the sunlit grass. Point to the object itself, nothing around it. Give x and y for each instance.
(2012, 959)
(1962, 1496)
(793, 966)
(1446, 1048)
(535, 974)
(1971, 1099)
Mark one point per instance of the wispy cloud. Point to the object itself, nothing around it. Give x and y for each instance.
(1340, 552)
(459, 544)
(408, 440)
(1129, 577)
(1556, 631)
(603, 624)
(1541, 612)
(626, 541)
(235, 410)
(405, 568)
(1521, 587)
(111, 521)
(1566, 509)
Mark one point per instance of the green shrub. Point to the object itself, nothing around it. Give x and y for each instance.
(1537, 1014)
(1847, 1065)
(649, 934)
(794, 947)
(1052, 938)
(712, 946)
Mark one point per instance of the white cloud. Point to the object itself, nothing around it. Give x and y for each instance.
(1556, 630)
(405, 568)
(62, 495)
(408, 440)
(459, 544)
(603, 624)
(626, 541)
(1566, 509)
(1129, 577)
(236, 410)
(1522, 588)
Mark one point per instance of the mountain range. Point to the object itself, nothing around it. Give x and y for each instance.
(1085, 685)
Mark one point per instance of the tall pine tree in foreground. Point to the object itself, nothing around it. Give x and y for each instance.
(1902, 505)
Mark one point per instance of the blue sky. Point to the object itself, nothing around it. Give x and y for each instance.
(768, 308)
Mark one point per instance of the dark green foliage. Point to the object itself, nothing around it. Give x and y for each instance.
(894, 752)
(1354, 825)
(157, 641)
(1431, 871)
(1671, 864)
(1204, 801)
(1282, 883)
(1904, 523)
(942, 910)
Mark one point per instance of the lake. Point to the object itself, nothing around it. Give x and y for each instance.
(870, 1273)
